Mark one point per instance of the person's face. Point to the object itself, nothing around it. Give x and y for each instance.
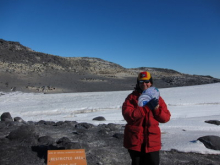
(144, 85)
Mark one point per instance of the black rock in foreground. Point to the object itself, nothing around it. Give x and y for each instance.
(27, 144)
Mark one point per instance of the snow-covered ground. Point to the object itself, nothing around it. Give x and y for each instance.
(189, 107)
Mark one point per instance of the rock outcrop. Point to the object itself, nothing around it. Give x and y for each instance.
(25, 143)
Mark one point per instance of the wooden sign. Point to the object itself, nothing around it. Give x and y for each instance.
(66, 157)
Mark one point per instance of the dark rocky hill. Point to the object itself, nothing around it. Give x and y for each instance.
(23, 69)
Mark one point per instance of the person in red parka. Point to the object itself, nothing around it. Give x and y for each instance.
(142, 136)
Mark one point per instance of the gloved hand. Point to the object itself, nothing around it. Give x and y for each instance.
(152, 103)
(147, 95)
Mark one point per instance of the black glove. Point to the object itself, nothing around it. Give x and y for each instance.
(153, 103)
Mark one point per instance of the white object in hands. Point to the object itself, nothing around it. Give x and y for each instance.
(147, 95)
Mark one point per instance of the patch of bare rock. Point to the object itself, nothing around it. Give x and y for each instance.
(25, 143)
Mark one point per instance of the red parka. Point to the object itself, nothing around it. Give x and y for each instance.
(142, 130)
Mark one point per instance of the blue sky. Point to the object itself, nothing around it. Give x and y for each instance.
(183, 35)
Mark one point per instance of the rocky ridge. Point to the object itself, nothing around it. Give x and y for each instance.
(26, 70)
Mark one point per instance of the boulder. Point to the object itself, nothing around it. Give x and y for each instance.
(6, 116)
(99, 118)
(211, 142)
(24, 134)
(118, 135)
(216, 122)
(46, 140)
(84, 126)
(63, 140)
(18, 119)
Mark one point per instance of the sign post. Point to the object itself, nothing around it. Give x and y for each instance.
(66, 157)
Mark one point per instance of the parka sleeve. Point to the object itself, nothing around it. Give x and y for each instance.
(131, 112)
(162, 114)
